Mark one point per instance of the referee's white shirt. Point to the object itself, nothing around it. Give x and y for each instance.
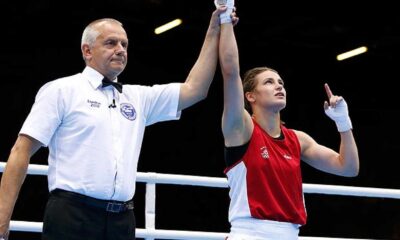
(94, 148)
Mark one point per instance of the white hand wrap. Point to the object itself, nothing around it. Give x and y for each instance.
(340, 114)
(225, 17)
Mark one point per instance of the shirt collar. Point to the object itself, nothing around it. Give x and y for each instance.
(94, 77)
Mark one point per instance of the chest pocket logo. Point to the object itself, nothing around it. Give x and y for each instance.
(128, 111)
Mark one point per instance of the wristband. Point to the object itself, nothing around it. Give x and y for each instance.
(340, 115)
(225, 17)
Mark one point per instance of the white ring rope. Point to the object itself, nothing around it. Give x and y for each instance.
(152, 233)
(161, 178)
(151, 179)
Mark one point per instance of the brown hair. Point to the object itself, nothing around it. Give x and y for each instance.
(249, 82)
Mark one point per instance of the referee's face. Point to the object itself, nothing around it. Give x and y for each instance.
(109, 53)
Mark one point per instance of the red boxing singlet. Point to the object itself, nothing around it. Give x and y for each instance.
(266, 182)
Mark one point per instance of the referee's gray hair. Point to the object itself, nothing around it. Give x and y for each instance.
(91, 33)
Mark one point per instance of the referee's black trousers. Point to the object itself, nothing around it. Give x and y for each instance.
(67, 219)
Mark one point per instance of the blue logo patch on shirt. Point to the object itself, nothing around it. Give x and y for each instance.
(128, 111)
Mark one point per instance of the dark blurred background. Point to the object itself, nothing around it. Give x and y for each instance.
(40, 41)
